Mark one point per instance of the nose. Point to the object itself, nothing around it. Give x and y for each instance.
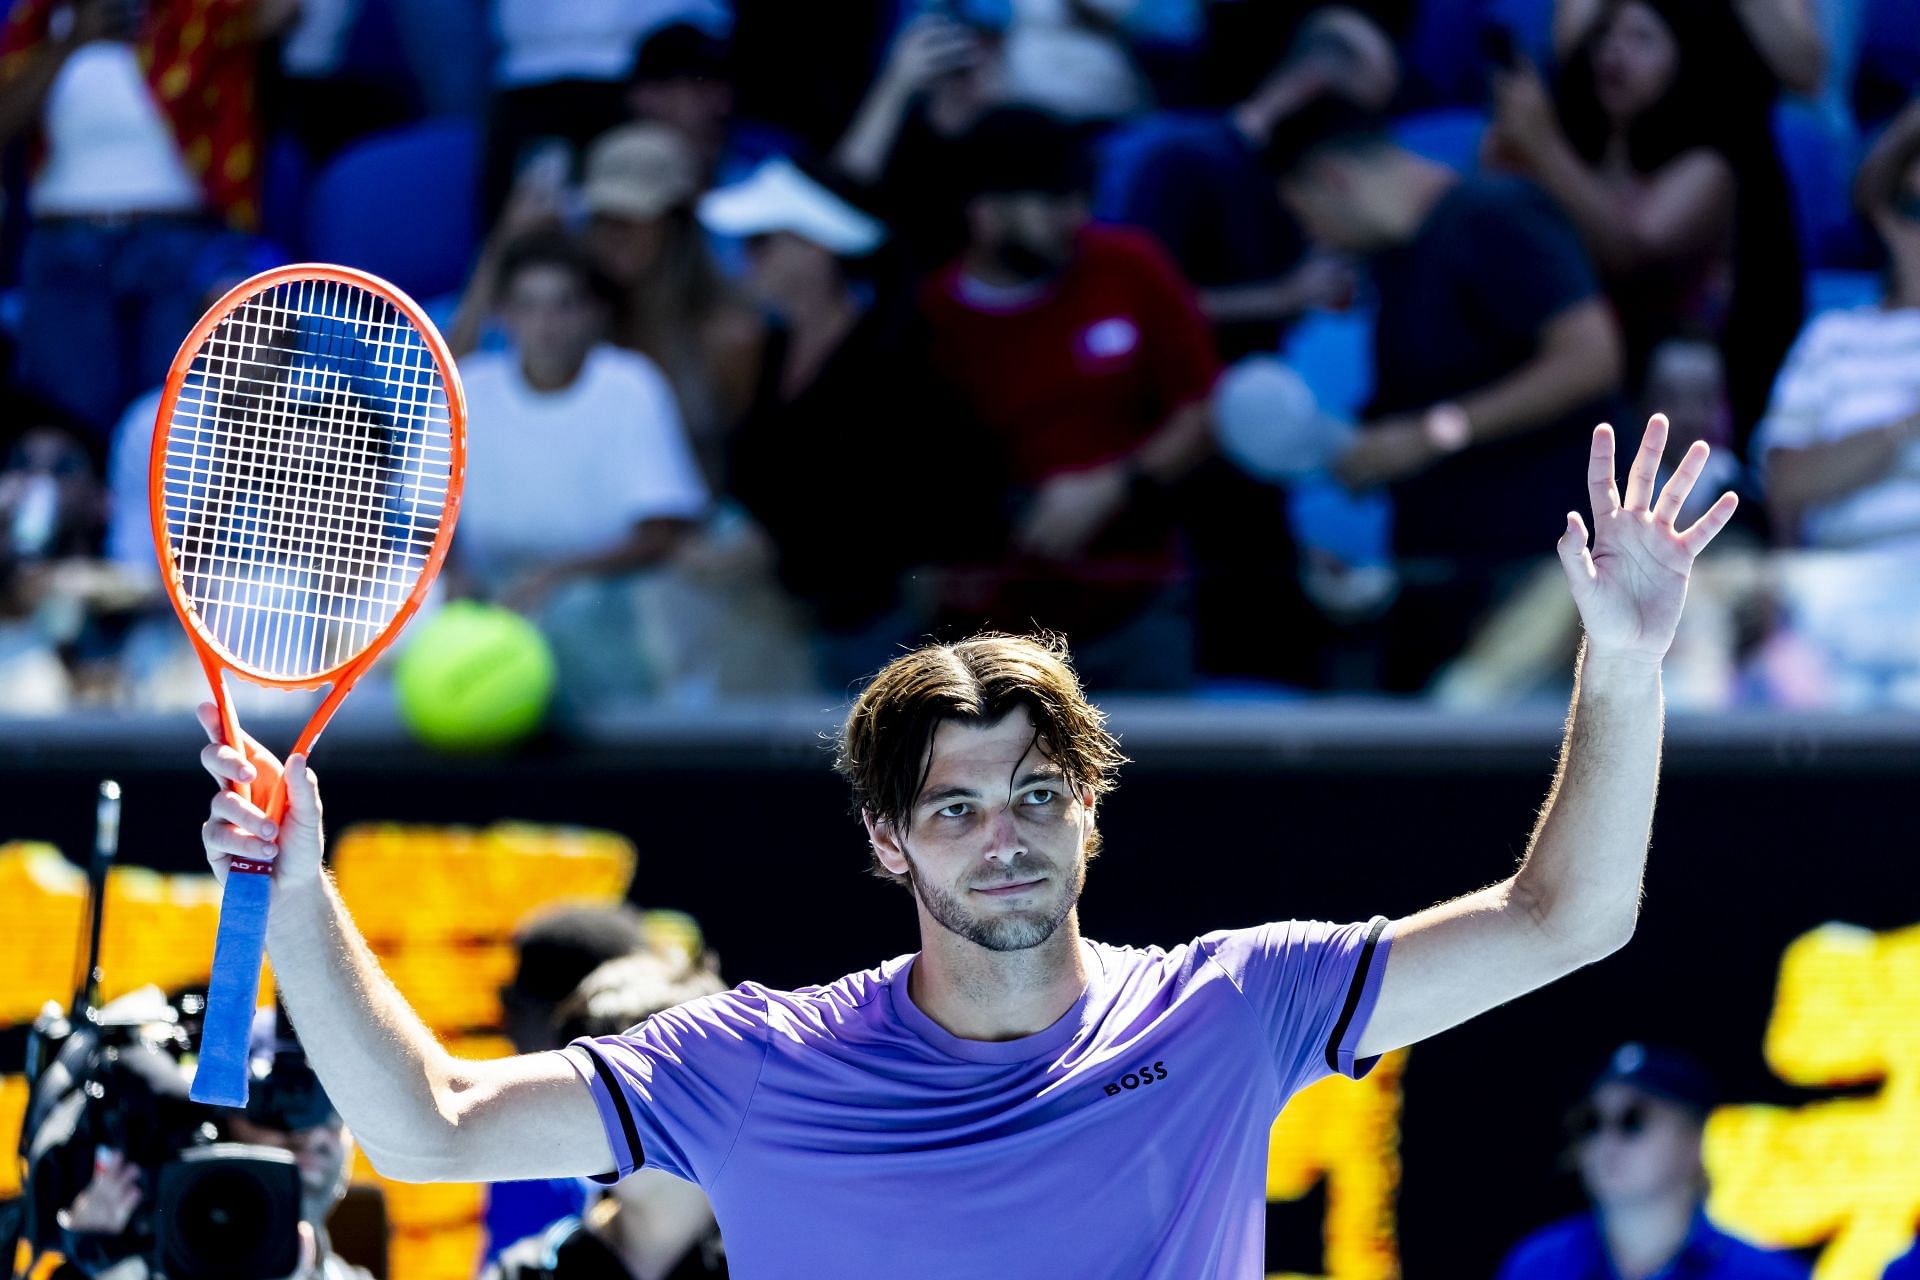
(1003, 837)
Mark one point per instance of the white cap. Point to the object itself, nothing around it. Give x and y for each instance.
(780, 197)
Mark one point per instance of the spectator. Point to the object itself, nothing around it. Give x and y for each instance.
(147, 153)
(855, 415)
(1636, 1142)
(60, 605)
(561, 75)
(1661, 152)
(649, 1224)
(288, 1109)
(578, 474)
(1840, 446)
(1198, 185)
(675, 306)
(1494, 358)
(556, 951)
(1079, 348)
(682, 78)
(903, 146)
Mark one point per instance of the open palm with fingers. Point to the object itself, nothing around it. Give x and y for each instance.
(1631, 582)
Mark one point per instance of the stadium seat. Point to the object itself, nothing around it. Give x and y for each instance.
(401, 205)
(1446, 135)
(1819, 150)
(1842, 290)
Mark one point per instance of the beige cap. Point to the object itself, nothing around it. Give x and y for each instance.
(639, 171)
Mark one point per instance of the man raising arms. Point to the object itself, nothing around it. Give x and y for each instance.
(1013, 1100)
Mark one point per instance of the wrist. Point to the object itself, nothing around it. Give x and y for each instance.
(1619, 670)
(1447, 428)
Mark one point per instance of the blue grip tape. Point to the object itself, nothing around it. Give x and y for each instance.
(220, 1079)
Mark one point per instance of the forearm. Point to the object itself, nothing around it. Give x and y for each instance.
(1178, 446)
(863, 153)
(381, 1066)
(1788, 40)
(1800, 478)
(1542, 390)
(1596, 214)
(1580, 880)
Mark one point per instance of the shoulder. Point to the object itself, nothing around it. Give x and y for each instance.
(486, 367)
(611, 367)
(1551, 1251)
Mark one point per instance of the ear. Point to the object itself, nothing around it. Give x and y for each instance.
(886, 843)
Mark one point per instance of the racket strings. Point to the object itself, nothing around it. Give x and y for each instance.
(308, 466)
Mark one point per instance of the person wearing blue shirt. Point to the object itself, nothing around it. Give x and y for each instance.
(1636, 1142)
(1904, 1267)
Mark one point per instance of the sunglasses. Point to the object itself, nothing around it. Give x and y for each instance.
(1629, 1121)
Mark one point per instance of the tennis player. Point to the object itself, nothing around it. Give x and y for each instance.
(1013, 1100)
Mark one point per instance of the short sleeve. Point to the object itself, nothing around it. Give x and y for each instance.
(1525, 261)
(1312, 986)
(658, 477)
(674, 1091)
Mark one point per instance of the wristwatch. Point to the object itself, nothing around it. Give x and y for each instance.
(1446, 427)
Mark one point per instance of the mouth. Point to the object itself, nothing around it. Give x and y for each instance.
(1008, 890)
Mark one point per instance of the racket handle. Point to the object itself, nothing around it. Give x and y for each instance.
(220, 1078)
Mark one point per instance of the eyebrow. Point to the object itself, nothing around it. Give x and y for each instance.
(946, 795)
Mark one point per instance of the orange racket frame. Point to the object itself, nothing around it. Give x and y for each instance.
(343, 676)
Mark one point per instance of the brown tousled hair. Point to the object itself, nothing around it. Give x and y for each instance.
(883, 750)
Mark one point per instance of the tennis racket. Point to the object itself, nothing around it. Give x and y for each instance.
(306, 471)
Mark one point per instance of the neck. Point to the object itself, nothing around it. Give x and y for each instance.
(989, 270)
(1906, 281)
(551, 377)
(1644, 1237)
(978, 994)
(652, 1236)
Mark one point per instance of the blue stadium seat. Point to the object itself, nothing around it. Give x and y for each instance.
(1819, 150)
(1446, 135)
(401, 205)
(1842, 290)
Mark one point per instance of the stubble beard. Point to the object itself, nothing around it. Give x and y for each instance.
(1018, 930)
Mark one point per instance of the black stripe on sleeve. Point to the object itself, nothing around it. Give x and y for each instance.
(1354, 989)
(612, 1086)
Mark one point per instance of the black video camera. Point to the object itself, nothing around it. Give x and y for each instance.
(211, 1210)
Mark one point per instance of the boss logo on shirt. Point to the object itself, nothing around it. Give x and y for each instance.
(1135, 1079)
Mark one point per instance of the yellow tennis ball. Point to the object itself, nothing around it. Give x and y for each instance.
(473, 678)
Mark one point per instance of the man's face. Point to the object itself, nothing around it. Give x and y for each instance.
(1029, 233)
(997, 849)
(553, 319)
(323, 1154)
(1633, 1147)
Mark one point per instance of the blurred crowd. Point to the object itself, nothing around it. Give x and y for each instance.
(1254, 345)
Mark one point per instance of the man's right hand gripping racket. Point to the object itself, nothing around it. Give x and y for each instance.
(306, 471)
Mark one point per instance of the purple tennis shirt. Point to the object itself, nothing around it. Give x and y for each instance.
(840, 1132)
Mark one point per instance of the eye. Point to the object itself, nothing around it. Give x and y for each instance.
(1041, 795)
(958, 809)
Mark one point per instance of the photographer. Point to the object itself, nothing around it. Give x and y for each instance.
(287, 1110)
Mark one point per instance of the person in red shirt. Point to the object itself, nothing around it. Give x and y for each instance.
(1082, 352)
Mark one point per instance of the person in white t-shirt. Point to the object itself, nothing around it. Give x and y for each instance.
(1840, 445)
(578, 472)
